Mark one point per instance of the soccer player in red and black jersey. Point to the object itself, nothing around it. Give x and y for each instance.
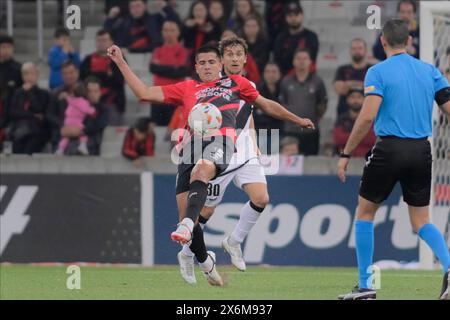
(224, 92)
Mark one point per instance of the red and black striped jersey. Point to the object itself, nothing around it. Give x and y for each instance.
(225, 93)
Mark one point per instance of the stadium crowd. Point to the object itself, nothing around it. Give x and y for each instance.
(88, 95)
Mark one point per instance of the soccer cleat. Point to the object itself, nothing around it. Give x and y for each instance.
(359, 294)
(235, 253)
(445, 294)
(182, 235)
(213, 277)
(187, 267)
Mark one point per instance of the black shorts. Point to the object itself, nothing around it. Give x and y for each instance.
(218, 150)
(395, 159)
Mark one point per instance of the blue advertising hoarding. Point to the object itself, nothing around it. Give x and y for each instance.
(309, 222)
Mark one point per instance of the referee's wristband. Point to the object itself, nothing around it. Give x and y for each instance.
(345, 155)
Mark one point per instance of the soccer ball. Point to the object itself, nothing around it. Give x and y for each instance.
(205, 118)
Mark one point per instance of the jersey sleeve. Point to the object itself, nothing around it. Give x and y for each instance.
(248, 92)
(373, 84)
(440, 82)
(174, 93)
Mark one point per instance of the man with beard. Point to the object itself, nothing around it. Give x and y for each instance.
(296, 36)
(351, 76)
(406, 11)
(100, 66)
(140, 30)
(344, 126)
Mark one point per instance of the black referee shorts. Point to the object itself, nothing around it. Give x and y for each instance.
(395, 159)
(218, 150)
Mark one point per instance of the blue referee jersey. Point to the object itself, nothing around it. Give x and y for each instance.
(408, 87)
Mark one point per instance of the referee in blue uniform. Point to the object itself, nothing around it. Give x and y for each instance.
(400, 92)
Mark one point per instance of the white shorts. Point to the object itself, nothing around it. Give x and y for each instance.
(251, 172)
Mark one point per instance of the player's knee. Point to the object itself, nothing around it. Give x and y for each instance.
(261, 200)
(203, 171)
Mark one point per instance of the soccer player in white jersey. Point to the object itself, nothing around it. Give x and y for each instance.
(244, 170)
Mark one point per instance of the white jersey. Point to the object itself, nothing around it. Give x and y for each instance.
(246, 146)
(244, 167)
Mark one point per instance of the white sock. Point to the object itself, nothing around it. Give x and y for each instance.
(207, 265)
(189, 223)
(247, 220)
(187, 251)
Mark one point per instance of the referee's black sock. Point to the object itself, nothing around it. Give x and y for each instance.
(198, 191)
(198, 246)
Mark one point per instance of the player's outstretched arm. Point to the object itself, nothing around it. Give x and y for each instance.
(276, 110)
(152, 94)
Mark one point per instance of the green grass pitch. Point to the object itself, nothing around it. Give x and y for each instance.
(165, 282)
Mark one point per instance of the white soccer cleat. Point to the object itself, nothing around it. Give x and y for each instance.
(187, 267)
(235, 253)
(182, 235)
(213, 277)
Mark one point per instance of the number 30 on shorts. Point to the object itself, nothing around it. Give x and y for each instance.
(213, 190)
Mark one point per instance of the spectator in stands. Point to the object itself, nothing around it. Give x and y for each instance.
(60, 95)
(139, 31)
(78, 108)
(289, 147)
(258, 44)
(93, 126)
(406, 10)
(61, 51)
(228, 33)
(294, 37)
(139, 141)
(228, 6)
(269, 88)
(2, 122)
(29, 131)
(199, 29)
(170, 64)
(100, 66)
(243, 9)
(341, 132)
(351, 75)
(116, 8)
(10, 74)
(217, 14)
(274, 17)
(251, 71)
(304, 94)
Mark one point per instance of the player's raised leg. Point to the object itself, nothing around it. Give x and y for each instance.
(201, 174)
(206, 260)
(186, 250)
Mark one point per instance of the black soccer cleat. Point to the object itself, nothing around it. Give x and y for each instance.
(445, 294)
(359, 294)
